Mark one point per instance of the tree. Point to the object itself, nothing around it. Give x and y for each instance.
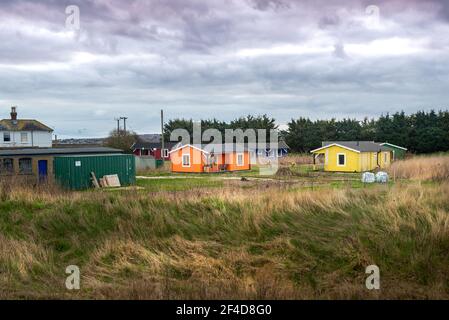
(244, 123)
(121, 140)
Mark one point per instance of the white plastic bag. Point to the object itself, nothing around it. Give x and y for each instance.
(382, 177)
(368, 177)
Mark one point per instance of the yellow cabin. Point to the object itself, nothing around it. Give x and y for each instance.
(352, 156)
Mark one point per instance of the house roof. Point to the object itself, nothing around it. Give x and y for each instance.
(280, 145)
(23, 125)
(357, 146)
(57, 151)
(144, 144)
(150, 137)
(214, 148)
(393, 145)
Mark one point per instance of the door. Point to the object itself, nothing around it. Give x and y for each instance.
(43, 169)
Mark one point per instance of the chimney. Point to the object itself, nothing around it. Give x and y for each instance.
(14, 113)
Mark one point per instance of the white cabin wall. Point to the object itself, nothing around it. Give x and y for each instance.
(42, 139)
(36, 139)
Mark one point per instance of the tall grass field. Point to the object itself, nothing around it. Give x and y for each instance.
(230, 242)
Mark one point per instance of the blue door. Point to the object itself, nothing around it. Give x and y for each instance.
(43, 169)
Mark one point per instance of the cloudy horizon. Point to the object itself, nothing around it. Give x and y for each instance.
(223, 59)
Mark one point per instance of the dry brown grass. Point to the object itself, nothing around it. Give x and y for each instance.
(296, 159)
(422, 168)
(226, 243)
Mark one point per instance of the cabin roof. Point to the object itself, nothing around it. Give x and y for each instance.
(214, 148)
(23, 125)
(393, 145)
(361, 146)
(57, 151)
(356, 146)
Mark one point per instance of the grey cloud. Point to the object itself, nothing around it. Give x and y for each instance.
(183, 55)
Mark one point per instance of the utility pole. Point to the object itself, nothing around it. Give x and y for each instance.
(124, 123)
(162, 134)
(118, 125)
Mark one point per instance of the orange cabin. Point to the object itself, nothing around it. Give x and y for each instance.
(209, 158)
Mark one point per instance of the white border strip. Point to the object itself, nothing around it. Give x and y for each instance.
(334, 144)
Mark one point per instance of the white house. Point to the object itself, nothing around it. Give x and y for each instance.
(24, 133)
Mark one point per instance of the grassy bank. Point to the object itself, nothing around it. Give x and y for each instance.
(270, 244)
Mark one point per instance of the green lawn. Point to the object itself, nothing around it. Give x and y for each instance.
(181, 184)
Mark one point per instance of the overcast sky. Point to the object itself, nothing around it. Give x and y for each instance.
(219, 58)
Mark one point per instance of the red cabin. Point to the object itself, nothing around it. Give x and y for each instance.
(154, 149)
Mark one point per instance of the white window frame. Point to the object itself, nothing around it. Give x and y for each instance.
(243, 159)
(4, 136)
(338, 159)
(186, 155)
(165, 153)
(24, 134)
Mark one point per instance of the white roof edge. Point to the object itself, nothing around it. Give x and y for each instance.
(393, 145)
(187, 145)
(337, 145)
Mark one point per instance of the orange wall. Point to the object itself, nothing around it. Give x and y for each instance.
(196, 160)
(231, 160)
(197, 164)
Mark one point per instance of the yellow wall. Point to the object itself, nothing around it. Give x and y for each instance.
(385, 159)
(355, 161)
(330, 159)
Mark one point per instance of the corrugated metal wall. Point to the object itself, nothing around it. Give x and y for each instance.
(73, 172)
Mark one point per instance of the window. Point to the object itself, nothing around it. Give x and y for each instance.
(24, 137)
(165, 153)
(240, 159)
(186, 160)
(341, 159)
(7, 165)
(26, 166)
(7, 137)
(385, 157)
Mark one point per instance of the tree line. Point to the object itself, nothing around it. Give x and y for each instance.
(420, 132)
(244, 123)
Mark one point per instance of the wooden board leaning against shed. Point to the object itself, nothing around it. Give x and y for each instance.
(110, 181)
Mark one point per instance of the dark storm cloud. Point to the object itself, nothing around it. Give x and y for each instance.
(221, 59)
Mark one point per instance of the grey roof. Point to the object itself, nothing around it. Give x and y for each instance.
(150, 137)
(229, 147)
(217, 148)
(23, 125)
(280, 145)
(142, 144)
(58, 151)
(225, 147)
(362, 146)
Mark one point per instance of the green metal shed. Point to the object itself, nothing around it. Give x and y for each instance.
(398, 152)
(73, 172)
